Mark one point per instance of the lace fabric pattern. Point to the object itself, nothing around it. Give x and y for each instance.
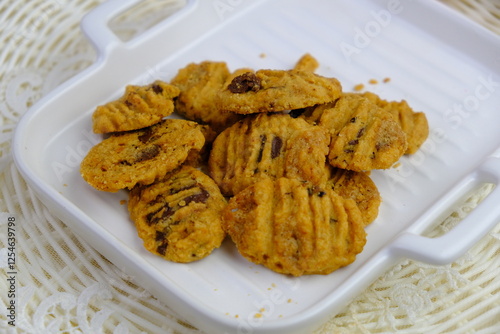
(64, 286)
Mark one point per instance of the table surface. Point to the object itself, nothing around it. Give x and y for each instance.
(61, 284)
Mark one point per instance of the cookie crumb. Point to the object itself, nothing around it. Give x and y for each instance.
(359, 87)
(262, 55)
(123, 202)
(373, 81)
(386, 80)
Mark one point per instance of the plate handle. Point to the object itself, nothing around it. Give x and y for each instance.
(455, 243)
(95, 24)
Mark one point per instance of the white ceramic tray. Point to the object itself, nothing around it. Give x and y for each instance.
(438, 61)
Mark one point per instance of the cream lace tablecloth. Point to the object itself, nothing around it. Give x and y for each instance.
(64, 286)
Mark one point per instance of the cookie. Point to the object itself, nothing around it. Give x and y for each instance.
(139, 107)
(198, 84)
(268, 146)
(359, 187)
(294, 227)
(414, 124)
(364, 137)
(142, 156)
(199, 159)
(306, 63)
(179, 217)
(276, 90)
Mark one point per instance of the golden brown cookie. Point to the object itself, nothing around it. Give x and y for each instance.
(359, 187)
(139, 107)
(199, 158)
(179, 217)
(198, 84)
(276, 90)
(268, 146)
(306, 63)
(414, 124)
(295, 228)
(364, 137)
(140, 156)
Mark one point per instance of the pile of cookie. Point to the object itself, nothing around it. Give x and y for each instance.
(279, 160)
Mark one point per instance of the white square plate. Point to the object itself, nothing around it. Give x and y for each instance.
(439, 62)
